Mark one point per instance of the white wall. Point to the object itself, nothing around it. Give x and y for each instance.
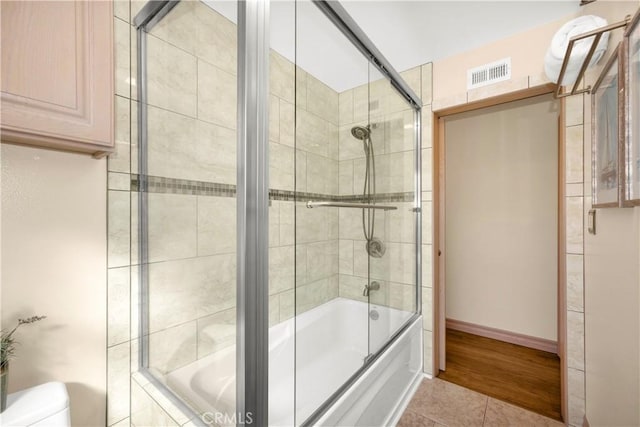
(612, 326)
(54, 264)
(501, 217)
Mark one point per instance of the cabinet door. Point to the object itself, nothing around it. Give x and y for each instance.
(57, 74)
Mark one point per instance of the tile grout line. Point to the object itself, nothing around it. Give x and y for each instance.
(484, 416)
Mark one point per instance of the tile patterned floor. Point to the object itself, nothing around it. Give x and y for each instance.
(439, 403)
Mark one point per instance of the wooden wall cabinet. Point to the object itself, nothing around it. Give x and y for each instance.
(57, 75)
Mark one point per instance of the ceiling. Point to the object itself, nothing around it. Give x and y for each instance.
(408, 33)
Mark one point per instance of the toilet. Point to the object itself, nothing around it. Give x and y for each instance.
(43, 405)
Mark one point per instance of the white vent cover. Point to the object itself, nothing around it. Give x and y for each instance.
(487, 74)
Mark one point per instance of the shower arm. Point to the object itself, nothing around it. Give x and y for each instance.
(311, 204)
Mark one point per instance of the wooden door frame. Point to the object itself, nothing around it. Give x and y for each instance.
(439, 329)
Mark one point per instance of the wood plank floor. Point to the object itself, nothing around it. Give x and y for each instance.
(519, 375)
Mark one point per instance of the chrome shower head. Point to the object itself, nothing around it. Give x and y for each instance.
(360, 132)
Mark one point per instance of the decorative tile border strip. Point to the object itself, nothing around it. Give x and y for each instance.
(157, 184)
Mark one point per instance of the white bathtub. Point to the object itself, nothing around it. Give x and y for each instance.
(330, 345)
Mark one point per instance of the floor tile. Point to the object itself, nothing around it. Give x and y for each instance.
(504, 414)
(448, 404)
(411, 419)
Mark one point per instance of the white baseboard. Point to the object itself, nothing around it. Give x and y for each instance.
(502, 335)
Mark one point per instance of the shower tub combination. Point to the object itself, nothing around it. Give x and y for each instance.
(337, 354)
(327, 354)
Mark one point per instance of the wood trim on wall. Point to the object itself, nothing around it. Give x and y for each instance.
(497, 100)
(502, 335)
(439, 218)
(438, 340)
(439, 243)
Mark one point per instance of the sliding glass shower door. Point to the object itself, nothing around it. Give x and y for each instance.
(357, 158)
(187, 121)
(331, 332)
(326, 184)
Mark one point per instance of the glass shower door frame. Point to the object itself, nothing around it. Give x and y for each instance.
(253, 198)
(252, 190)
(144, 21)
(252, 351)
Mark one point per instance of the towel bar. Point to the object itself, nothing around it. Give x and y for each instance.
(311, 204)
(583, 68)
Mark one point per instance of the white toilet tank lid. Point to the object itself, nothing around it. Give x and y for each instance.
(34, 404)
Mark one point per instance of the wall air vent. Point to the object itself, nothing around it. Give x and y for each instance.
(487, 74)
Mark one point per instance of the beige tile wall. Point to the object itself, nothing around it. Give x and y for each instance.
(316, 169)
(427, 214)
(575, 163)
(121, 276)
